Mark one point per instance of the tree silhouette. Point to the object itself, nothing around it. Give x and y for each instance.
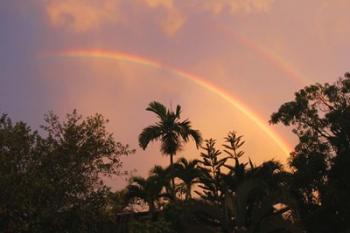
(164, 176)
(255, 207)
(169, 130)
(320, 116)
(188, 172)
(147, 190)
(52, 182)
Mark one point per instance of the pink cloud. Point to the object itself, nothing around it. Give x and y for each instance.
(82, 15)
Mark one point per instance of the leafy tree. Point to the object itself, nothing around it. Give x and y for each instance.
(169, 130)
(320, 117)
(51, 182)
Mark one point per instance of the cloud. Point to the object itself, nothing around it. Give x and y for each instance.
(156, 3)
(82, 15)
(332, 22)
(234, 6)
(85, 15)
(173, 22)
(174, 19)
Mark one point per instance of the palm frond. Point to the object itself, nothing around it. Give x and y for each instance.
(148, 134)
(178, 111)
(182, 162)
(158, 109)
(170, 144)
(197, 137)
(137, 180)
(183, 128)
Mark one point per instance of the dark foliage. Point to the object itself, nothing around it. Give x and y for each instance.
(51, 182)
(320, 117)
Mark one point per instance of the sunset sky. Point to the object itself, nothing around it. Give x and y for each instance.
(228, 63)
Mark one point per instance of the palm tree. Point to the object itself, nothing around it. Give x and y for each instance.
(188, 172)
(163, 175)
(169, 130)
(257, 208)
(259, 200)
(147, 190)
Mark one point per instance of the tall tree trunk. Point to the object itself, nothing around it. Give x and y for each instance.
(172, 178)
(152, 207)
(188, 191)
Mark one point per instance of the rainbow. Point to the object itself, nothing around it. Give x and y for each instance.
(274, 59)
(195, 79)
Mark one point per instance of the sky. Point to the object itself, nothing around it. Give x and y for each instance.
(229, 63)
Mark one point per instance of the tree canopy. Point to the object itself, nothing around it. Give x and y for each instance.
(320, 117)
(51, 181)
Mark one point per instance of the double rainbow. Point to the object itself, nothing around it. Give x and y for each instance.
(274, 59)
(118, 56)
